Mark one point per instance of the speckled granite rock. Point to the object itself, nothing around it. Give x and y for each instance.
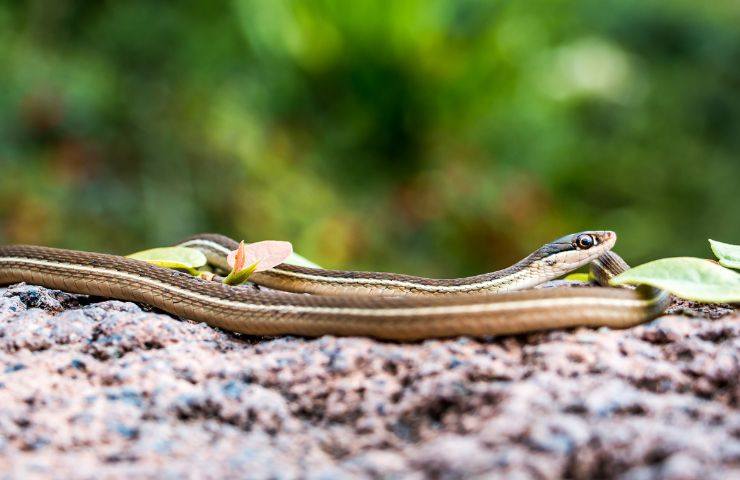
(92, 388)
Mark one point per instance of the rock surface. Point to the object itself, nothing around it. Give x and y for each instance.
(92, 388)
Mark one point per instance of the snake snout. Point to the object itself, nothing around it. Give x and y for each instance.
(607, 239)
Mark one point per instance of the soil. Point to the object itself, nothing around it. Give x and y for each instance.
(93, 388)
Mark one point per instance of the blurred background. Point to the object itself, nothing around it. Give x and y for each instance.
(436, 137)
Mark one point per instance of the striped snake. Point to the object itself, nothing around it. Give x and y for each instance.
(381, 305)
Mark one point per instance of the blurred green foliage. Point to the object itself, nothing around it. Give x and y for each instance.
(437, 137)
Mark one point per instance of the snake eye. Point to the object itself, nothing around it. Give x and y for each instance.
(585, 241)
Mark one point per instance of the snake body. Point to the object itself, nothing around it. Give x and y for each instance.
(548, 262)
(249, 310)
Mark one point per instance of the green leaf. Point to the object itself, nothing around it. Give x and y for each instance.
(237, 278)
(729, 255)
(300, 261)
(578, 277)
(690, 278)
(177, 258)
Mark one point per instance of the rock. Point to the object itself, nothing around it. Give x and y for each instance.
(92, 388)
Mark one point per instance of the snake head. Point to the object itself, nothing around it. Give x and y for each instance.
(575, 250)
(595, 242)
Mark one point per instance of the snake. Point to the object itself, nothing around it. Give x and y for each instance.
(314, 302)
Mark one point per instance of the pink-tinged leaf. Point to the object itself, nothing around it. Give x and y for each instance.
(235, 258)
(239, 271)
(255, 257)
(265, 254)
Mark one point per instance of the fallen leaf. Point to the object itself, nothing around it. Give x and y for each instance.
(728, 255)
(690, 278)
(177, 258)
(300, 261)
